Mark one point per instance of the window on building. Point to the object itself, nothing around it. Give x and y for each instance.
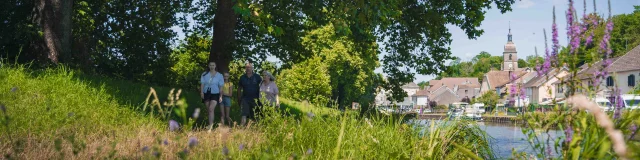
(631, 80)
(609, 81)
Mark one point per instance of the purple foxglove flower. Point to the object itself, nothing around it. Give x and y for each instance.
(554, 39)
(309, 151)
(173, 125)
(513, 92)
(575, 38)
(569, 15)
(310, 114)
(589, 39)
(14, 89)
(225, 151)
(569, 134)
(193, 141)
(523, 93)
(241, 147)
(165, 142)
(543, 68)
(619, 103)
(145, 148)
(156, 154)
(634, 130)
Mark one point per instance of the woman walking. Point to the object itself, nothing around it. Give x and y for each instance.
(269, 90)
(210, 84)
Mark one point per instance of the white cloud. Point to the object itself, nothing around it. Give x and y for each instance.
(524, 4)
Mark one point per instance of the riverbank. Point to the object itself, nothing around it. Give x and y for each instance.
(495, 119)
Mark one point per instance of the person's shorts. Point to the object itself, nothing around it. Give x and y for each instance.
(211, 97)
(226, 101)
(248, 106)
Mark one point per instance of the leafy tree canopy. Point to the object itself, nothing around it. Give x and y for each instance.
(414, 33)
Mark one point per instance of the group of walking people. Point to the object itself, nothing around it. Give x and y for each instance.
(215, 88)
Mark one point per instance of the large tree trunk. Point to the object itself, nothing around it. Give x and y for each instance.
(224, 24)
(55, 20)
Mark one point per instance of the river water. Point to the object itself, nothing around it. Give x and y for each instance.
(504, 137)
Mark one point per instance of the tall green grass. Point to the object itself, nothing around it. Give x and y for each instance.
(62, 114)
(347, 136)
(53, 100)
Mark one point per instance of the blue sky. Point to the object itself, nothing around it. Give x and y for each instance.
(527, 18)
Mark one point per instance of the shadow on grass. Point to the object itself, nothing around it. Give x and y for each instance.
(134, 94)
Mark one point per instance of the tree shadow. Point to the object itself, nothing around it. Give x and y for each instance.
(134, 94)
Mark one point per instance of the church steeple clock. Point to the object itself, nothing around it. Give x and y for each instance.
(510, 55)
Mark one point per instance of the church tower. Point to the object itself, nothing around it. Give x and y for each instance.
(510, 55)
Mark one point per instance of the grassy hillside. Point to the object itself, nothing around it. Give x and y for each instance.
(62, 114)
(47, 102)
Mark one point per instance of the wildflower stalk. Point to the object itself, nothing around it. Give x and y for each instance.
(342, 126)
(582, 102)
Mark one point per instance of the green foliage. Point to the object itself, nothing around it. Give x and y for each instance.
(588, 139)
(132, 39)
(268, 66)
(189, 61)
(625, 35)
(522, 63)
(636, 90)
(19, 32)
(489, 98)
(265, 28)
(308, 81)
(128, 39)
(477, 67)
(423, 84)
(190, 58)
(350, 71)
(533, 61)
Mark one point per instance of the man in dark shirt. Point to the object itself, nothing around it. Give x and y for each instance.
(249, 92)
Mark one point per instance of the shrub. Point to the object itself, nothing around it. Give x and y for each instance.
(306, 81)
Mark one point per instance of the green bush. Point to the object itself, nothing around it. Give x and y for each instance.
(350, 68)
(306, 81)
(489, 99)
